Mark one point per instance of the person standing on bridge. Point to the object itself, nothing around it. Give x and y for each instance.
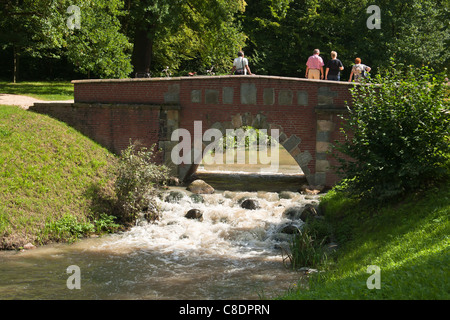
(359, 71)
(240, 65)
(314, 66)
(333, 68)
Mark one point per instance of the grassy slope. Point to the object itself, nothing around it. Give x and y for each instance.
(48, 170)
(409, 242)
(62, 90)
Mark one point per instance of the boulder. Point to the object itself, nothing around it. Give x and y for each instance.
(174, 196)
(173, 181)
(250, 204)
(293, 213)
(308, 212)
(311, 190)
(200, 187)
(289, 229)
(286, 195)
(196, 198)
(29, 246)
(194, 214)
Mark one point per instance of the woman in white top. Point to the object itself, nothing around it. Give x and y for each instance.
(240, 65)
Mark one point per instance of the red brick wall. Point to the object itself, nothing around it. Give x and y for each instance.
(112, 126)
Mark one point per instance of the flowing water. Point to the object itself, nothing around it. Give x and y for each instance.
(232, 253)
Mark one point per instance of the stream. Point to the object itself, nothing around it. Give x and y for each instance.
(232, 253)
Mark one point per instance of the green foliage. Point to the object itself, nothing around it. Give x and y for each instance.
(415, 32)
(99, 47)
(305, 250)
(246, 136)
(137, 182)
(396, 134)
(67, 228)
(193, 36)
(38, 28)
(105, 223)
(182, 34)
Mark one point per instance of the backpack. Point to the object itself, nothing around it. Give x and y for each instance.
(361, 70)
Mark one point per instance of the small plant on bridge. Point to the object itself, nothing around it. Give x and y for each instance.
(396, 134)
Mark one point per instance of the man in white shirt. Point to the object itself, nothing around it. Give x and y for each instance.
(240, 65)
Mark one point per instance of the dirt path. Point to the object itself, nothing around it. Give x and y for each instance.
(22, 101)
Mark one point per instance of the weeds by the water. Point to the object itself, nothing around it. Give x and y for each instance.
(69, 228)
(304, 251)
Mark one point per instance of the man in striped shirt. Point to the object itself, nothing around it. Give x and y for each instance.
(314, 66)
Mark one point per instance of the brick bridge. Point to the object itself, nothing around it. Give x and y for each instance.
(306, 112)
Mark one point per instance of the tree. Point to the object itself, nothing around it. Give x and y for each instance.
(171, 32)
(23, 28)
(38, 28)
(98, 46)
(397, 136)
(416, 32)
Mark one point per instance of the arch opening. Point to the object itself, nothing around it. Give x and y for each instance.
(247, 158)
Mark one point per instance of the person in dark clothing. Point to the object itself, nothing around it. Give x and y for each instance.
(333, 68)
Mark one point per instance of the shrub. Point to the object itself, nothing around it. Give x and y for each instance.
(137, 182)
(396, 133)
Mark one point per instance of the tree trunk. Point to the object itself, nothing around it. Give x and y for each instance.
(16, 64)
(142, 51)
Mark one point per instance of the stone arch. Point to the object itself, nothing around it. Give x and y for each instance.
(290, 143)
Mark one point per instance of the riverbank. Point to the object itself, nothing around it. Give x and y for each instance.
(49, 178)
(408, 243)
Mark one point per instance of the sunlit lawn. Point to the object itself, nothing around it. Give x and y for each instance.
(51, 90)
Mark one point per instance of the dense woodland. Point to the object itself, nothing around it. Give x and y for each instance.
(45, 40)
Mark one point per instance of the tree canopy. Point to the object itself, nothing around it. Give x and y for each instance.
(117, 38)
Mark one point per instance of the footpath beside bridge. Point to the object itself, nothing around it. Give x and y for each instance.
(306, 113)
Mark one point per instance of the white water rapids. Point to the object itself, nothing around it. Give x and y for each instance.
(233, 253)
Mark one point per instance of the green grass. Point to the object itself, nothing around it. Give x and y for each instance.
(409, 242)
(54, 90)
(49, 172)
